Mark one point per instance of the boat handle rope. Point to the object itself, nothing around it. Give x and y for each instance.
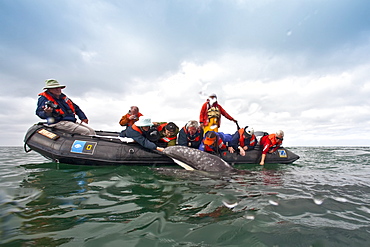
(25, 143)
(25, 148)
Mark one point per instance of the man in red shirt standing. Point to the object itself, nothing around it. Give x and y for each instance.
(210, 114)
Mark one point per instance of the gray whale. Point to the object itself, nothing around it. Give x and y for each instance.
(194, 159)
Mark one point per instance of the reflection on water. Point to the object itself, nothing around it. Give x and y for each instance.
(315, 202)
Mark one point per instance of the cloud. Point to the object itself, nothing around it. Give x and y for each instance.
(297, 66)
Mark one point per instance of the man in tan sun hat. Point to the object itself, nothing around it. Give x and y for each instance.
(59, 111)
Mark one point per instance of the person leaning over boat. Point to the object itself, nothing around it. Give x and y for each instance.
(270, 143)
(140, 132)
(131, 117)
(59, 110)
(214, 142)
(168, 133)
(190, 135)
(210, 114)
(243, 140)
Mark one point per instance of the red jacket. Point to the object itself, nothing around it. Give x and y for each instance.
(269, 143)
(203, 117)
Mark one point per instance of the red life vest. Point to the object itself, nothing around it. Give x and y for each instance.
(197, 135)
(65, 98)
(269, 143)
(252, 141)
(164, 138)
(168, 139)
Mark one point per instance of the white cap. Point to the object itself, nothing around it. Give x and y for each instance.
(280, 133)
(142, 122)
(249, 130)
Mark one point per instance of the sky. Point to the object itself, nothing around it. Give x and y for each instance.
(300, 66)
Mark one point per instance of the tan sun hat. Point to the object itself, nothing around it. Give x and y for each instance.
(52, 83)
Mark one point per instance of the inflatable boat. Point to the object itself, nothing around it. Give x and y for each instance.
(107, 148)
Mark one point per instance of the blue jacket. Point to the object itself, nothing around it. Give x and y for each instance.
(139, 138)
(235, 141)
(185, 139)
(68, 116)
(224, 137)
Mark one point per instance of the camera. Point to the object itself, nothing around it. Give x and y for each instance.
(51, 104)
(153, 134)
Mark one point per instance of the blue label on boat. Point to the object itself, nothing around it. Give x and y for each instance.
(282, 153)
(83, 147)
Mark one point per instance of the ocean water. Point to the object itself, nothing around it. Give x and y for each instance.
(323, 199)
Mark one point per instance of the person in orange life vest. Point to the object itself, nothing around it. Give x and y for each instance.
(243, 140)
(270, 143)
(139, 131)
(210, 114)
(168, 134)
(214, 142)
(131, 117)
(190, 135)
(59, 111)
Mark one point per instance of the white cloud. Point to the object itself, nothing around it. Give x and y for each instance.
(292, 66)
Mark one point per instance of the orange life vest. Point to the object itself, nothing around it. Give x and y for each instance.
(220, 145)
(126, 121)
(161, 126)
(134, 127)
(242, 139)
(65, 98)
(273, 141)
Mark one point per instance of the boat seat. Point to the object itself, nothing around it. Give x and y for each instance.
(126, 139)
(122, 139)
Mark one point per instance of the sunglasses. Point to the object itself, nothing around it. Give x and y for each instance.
(279, 138)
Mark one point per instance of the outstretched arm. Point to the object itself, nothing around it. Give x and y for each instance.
(263, 157)
(225, 114)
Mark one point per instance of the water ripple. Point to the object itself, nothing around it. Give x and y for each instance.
(322, 200)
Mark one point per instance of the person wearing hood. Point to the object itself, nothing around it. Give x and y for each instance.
(59, 110)
(210, 114)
